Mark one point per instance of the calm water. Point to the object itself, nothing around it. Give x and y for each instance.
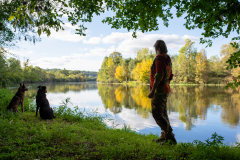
(195, 112)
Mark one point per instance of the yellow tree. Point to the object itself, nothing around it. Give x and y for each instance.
(119, 74)
(201, 66)
(111, 69)
(142, 71)
(145, 70)
(136, 72)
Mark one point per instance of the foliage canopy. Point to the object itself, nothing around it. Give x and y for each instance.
(216, 18)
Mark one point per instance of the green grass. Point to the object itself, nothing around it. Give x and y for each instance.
(77, 135)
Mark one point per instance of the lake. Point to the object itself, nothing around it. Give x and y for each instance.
(195, 112)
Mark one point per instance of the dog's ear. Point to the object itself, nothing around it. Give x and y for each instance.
(39, 86)
(23, 85)
(45, 89)
(20, 84)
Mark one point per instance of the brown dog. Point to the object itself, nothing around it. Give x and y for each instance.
(18, 99)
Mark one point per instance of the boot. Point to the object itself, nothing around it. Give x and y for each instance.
(169, 139)
(162, 137)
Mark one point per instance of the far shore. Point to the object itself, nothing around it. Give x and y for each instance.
(139, 83)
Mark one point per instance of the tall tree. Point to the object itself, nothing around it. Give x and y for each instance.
(186, 61)
(142, 71)
(125, 68)
(14, 70)
(119, 74)
(132, 65)
(29, 72)
(201, 67)
(145, 53)
(114, 60)
(103, 74)
(111, 69)
(175, 67)
(142, 54)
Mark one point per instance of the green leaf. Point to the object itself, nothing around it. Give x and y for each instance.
(39, 32)
(19, 8)
(48, 32)
(11, 18)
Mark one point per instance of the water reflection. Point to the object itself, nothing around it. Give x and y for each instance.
(57, 87)
(193, 110)
(191, 102)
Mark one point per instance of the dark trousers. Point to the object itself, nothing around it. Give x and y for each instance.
(159, 112)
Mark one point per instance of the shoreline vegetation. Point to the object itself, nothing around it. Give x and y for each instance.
(75, 134)
(140, 83)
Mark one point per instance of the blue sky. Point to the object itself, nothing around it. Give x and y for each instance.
(64, 49)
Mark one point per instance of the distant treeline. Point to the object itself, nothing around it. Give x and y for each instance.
(189, 66)
(85, 73)
(11, 71)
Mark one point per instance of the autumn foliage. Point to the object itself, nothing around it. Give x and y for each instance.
(189, 66)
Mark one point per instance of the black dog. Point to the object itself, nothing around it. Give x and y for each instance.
(18, 99)
(46, 111)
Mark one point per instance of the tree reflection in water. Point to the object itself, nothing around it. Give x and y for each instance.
(191, 102)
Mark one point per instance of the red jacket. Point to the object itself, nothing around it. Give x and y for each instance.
(161, 69)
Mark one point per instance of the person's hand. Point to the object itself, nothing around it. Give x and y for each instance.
(151, 95)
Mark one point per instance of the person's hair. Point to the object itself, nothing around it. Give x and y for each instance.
(161, 46)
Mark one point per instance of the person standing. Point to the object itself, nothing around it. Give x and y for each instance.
(160, 77)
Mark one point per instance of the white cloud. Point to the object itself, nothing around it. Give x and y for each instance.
(136, 122)
(75, 61)
(83, 99)
(116, 37)
(30, 52)
(101, 52)
(72, 62)
(93, 40)
(238, 138)
(68, 34)
(128, 45)
(22, 55)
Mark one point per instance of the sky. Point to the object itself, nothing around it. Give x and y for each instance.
(64, 49)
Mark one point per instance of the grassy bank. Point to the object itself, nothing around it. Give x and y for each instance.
(75, 135)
